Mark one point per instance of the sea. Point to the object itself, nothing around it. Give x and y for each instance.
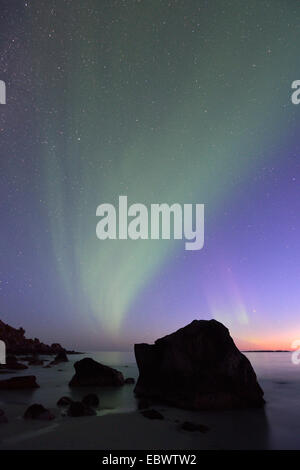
(277, 374)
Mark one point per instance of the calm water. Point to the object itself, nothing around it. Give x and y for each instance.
(278, 376)
(54, 383)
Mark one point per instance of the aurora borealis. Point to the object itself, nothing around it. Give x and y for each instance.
(162, 101)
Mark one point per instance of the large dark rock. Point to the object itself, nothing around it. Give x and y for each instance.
(92, 373)
(19, 383)
(197, 367)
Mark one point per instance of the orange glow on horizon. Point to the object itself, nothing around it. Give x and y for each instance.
(273, 342)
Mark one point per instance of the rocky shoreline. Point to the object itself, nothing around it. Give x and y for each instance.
(197, 367)
(81, 403)
(16, 343)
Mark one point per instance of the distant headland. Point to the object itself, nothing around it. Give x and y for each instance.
(17, 343)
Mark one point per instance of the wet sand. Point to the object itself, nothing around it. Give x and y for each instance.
(227, 430)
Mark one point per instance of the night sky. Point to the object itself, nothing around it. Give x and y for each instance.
(162, 101)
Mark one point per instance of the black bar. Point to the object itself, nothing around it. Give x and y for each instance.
(136, 458)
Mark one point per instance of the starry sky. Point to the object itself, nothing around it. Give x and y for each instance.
(184, 101)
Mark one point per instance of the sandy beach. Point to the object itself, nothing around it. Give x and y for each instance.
(132, 431)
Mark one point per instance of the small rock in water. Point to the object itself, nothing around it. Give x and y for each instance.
(13, 364)
(129, 381)
(37, 411)
(192, 427)
(35, 361)
(152, 414)
(64, 401)
(77, 408)
(91, 400)
(3, 418)
(23, 358)
(60, 357)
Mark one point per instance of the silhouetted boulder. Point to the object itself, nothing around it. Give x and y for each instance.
(77, 408)
(92, 373)
(129, 381)
(37, 411)
(152, 414)
(19, 383)
(64, 401)
(91, 400)
(3, 418)
(197, 367)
